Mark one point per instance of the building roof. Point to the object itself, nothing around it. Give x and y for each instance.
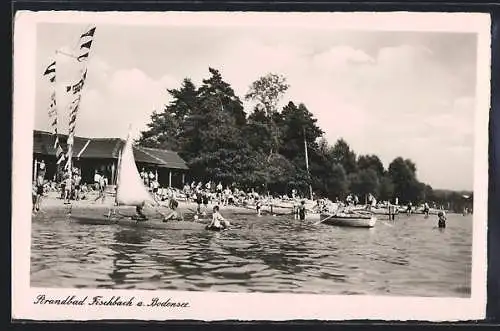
(106, 148)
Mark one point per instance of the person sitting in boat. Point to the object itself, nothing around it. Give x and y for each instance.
(174, 215)
(218, 222)
(441, 220)
(302, 210)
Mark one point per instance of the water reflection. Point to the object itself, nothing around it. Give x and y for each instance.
(267, 254)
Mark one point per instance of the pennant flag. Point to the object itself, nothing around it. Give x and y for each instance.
(57, 145)
(89, 33)
(85, 43)
(61, 158)
(52, 111)
(51, 72)
(86, 40)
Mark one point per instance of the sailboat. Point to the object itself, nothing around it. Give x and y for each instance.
(311, 215)
(131, 192)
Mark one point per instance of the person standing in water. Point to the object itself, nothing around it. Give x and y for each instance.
(38, 193)
(441, 220)
(409, 208)
(302, 210)
(199, 201)
(258, 207)
(205, 202)
(426, 209)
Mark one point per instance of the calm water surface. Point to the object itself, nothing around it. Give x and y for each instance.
(271, 254)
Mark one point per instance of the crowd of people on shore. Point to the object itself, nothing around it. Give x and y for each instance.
(204, 195)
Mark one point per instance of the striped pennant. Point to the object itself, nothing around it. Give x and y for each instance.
(86, 40)
(50, 72)
(85, 43)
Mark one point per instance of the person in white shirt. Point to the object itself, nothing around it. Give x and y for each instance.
(97, 180)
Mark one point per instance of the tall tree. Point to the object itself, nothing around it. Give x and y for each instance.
(403, 174)
(214, 155)
(222, 96)
(342, 153)
(166, 129)
(364, 182)
(266, 92)
(298, 125)
(371, 162)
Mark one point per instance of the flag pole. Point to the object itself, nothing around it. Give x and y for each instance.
(307, 163)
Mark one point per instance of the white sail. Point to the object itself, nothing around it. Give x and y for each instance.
(130, 190)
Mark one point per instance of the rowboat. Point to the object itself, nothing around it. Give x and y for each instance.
(136, 223)
(432, 211)
(376, 210)
(349, 219)
(313, 216)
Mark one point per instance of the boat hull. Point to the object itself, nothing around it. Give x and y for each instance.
(349, 221)
(131, 222)
(313, 216)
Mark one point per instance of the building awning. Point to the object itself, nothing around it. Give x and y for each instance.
(106, 148)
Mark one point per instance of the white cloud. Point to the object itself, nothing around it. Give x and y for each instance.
(129, 97)
(397, 100)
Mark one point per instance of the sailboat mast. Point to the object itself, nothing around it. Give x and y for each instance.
(307, 163)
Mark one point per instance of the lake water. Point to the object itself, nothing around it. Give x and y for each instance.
(408, 257)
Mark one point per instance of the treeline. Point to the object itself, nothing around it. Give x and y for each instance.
(265, 149)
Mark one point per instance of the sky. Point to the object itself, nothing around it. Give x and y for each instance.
(409, 94)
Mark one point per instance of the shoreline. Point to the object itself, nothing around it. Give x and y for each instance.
(52, 202)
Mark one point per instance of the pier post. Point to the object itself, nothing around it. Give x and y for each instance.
(170, 178)
(183, 179)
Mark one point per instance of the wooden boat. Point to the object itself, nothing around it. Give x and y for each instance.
(313, 216)
(376, 210)
(136, 223)
(349, 219)
(432, 211)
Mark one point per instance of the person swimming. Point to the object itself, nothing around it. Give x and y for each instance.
(218, 222)
(441, 220)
